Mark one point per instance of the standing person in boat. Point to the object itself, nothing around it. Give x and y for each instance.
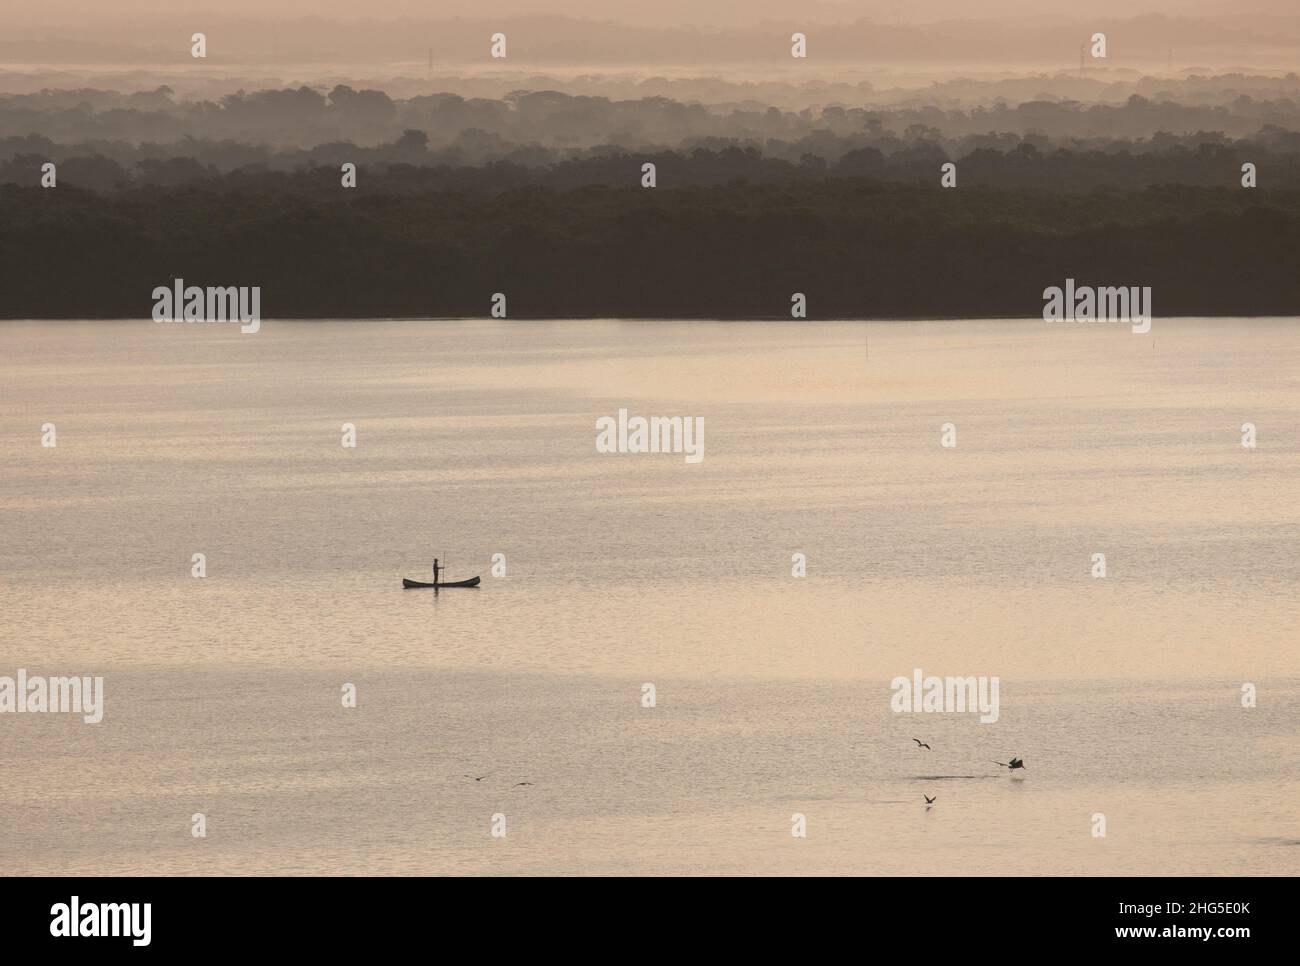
(435, 571)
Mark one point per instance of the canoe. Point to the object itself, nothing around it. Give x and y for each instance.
(408, 584)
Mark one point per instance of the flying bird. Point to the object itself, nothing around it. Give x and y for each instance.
(1014, 764)
(928, 799)
(477, 778)
(921, 744)
(517, 784)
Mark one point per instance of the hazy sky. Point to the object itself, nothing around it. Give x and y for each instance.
(658, 12)
(713, 35)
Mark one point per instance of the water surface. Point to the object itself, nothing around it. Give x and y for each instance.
(477, 438)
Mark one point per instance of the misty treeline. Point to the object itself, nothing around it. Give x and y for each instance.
(483, 128)
(541, 196)
(558, 140)
(856, 247)
(50, 88)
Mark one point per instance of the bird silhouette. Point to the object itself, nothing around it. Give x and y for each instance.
(921, 744)
(477, 778)
(1013, 765)
(517, 784)
(928, 799)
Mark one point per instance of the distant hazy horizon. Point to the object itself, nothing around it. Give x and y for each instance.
(663, 13)
(718, 37)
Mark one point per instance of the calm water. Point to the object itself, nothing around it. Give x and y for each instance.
(474, 438)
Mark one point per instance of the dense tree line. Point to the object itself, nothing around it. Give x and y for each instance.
(857, 246)
(303, 117)
(407, 165)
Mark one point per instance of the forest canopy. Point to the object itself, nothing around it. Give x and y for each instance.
(352, 203)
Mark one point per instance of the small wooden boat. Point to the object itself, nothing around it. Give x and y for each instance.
(472, 582)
